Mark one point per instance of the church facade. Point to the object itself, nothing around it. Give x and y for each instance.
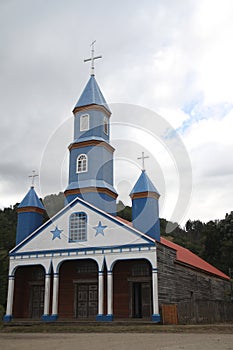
(86, 263)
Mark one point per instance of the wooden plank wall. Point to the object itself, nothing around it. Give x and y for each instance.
(195, 293)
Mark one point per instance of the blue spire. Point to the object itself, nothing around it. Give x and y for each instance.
(145, 207)
(143, 184)
(31, 200)
(30, 215)
(92, 95)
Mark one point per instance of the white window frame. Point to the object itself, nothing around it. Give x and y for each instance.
(84, 125)
(82, 163)
(78, 227)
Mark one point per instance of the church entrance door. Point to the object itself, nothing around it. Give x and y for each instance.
(86, 300)
(141, 299)
(36, 301)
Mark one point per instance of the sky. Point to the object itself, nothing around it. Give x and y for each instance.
(166, 74)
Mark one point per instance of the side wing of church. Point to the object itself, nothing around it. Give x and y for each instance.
(87, 263)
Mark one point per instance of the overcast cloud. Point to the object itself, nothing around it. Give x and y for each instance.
(173, 57)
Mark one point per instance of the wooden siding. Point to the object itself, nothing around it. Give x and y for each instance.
(187, 287)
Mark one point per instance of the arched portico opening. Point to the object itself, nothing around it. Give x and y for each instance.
(78, 289)
(132, 289)
(29, 292)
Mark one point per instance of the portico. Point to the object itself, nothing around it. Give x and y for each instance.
(84, 287)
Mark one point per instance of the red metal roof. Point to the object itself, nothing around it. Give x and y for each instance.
(186, 257)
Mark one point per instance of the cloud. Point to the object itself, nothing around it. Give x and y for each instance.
(172, 57)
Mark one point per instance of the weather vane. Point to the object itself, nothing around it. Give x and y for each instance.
(92, 58)
(33, 177)
(143, 160)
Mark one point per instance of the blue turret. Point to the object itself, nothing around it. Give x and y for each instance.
(145, 207)
(91, 155)
(30, 215)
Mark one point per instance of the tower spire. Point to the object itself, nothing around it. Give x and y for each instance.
(92, 58)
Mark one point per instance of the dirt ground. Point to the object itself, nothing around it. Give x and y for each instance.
(110, 341)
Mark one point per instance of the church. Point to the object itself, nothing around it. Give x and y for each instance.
(86, 263)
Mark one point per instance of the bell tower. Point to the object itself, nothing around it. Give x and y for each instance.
(91, 155)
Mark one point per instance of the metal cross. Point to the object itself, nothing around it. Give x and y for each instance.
(143, 160)
(92, 58)
(33, 177)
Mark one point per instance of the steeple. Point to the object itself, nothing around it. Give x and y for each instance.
(91, 95)
(91, 155)
(30, 215)
(145, 207)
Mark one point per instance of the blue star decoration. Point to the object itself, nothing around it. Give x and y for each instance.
(56, 233)
(99, 229)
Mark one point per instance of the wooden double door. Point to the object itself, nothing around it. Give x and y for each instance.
(36, 306)
(86, 300)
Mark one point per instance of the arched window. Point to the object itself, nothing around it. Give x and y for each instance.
(78, 227)
(81, 166)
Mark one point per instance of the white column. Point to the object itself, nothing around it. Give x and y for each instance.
(101, 293)
(10, 296)
(47, 294)
(55, 295)
(155, 316)
(110, 294)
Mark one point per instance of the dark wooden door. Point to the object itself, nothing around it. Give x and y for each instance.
(146, 299)
(141, 299)
(87, 300)
(36, 301)
(137, 300)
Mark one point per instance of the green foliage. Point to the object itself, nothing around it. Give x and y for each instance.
(54, 203)
(212, 241)
(124, 212)
(8, 220)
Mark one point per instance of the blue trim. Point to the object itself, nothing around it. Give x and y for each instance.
(71, 205)
(100, 317)
(7, 318)
(78, 250)
(156, 318)
(49, 318)
(90, 138)
(104, 318)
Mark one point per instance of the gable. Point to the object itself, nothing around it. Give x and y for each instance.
(102, 230)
